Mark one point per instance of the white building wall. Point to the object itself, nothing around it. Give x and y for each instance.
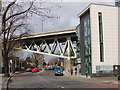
(110, 35)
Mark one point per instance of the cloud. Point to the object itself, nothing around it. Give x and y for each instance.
(87, 0)
(66, 0)
(68, 18)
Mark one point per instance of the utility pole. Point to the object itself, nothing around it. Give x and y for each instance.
(42, 20)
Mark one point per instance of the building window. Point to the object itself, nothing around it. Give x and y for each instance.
(101, 37)
(104, 69)
(87, 45)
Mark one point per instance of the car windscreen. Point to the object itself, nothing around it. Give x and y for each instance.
(58, 68)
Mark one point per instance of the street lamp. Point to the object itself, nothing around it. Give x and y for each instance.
(42, 24)
(78, 66)
(10, 64)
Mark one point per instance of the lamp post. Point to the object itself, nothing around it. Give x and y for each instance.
(78, 66)
(42, 20)
(10, 64)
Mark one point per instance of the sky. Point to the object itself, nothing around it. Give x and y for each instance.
(68, 13)
(66, 0)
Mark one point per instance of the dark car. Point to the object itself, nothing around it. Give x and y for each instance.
(40, 69)
(58, 71)
(35, 70)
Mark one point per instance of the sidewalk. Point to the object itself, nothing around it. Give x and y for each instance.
(4, 80)
(103, 80)
(1, 81)
(108, 80)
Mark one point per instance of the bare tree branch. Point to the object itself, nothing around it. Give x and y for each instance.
(4, 16)
(9, 28)
(16, 14)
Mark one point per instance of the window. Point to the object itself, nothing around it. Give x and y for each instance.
(104, 69)
(101, 37)
(87, 44)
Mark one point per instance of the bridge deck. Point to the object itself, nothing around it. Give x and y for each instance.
(52, 33)
(50, 36)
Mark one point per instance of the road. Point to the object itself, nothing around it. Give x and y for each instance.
(47, 79)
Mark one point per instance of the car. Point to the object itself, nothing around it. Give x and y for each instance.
(58, 71)
(28, 70)
(35, 70)
(40, 69)
(48, 68)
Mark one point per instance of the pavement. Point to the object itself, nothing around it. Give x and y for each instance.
(4, 80)
(1, 81)
(108, 80)
(105, 80)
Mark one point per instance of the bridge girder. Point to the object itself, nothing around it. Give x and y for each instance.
(56, 45)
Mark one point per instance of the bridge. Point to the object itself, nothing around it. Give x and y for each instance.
(60, 43)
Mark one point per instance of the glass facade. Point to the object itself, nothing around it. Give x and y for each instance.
(78, 50)
(101, 37)
(78, 40)
(104, 69)
(87, 45)
(117, 3)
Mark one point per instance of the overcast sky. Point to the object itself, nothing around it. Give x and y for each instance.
(68, 17)
(68, 14)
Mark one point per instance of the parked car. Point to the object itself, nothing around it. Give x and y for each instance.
(40, 69)
(28, 70)
(58, 71)
(35, 70)
(48, 68)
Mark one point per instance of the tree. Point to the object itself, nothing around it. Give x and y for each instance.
(14, 25)
(53, 61)
(38, 58)
(30, 62)
(44, 64)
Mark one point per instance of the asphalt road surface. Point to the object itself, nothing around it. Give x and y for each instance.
(47, 79)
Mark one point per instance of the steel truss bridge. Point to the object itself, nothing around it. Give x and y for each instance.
(58, 43)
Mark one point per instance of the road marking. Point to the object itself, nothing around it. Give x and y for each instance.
(61, 87)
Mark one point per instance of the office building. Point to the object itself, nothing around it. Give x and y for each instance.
(99, 39)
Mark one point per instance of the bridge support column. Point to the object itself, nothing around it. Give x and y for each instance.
(68, 67)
